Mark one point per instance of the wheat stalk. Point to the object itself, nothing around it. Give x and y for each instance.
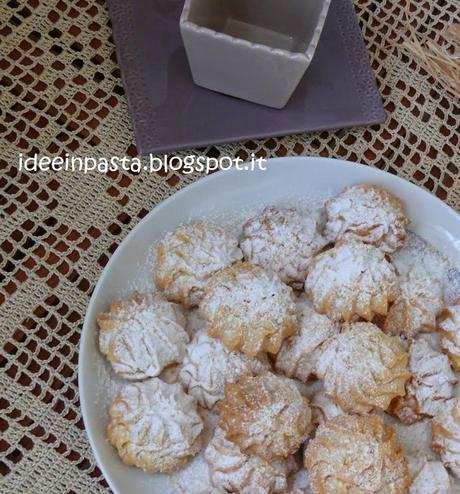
(441, 62)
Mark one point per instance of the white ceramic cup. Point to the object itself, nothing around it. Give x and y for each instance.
(252, 49)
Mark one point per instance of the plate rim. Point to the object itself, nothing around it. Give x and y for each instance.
(203, 181)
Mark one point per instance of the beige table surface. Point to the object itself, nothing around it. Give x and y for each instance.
(61, 92)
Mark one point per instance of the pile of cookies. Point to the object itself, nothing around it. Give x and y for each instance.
(292, 299)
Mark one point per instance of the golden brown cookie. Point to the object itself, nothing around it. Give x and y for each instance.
(419, 300)
(298, 354)
(359, 455)
(362, 368)
(369, 214)
(352, 279)
(208, 366)
(155, 426)
(187, 257)
(142, 335)
(240, 473)
(283, 240)
(430, 387)
(249, 309)
(265, 415)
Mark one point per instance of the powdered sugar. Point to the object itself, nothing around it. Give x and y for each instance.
(414, 438)
(299, 482)
(417, 252)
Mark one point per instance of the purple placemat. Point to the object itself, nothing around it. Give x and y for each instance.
(169, 112)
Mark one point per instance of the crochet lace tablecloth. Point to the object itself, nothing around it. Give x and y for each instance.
(61, 92)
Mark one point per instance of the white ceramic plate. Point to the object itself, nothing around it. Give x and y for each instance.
(285, 180)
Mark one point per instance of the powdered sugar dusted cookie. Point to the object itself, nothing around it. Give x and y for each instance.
(446, 436)
(265, 415)
(249, 309)
(415, 308)
(369, 214)
(142, 335)
(431, 386)
(208, 366)
(352, 279)
(189, 256)
(297, 357)
(353, 454)
(363, 369)
(240, 473)
(283, 240)
(155, 426)
(449, 329)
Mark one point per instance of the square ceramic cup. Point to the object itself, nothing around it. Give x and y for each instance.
(252, 49)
